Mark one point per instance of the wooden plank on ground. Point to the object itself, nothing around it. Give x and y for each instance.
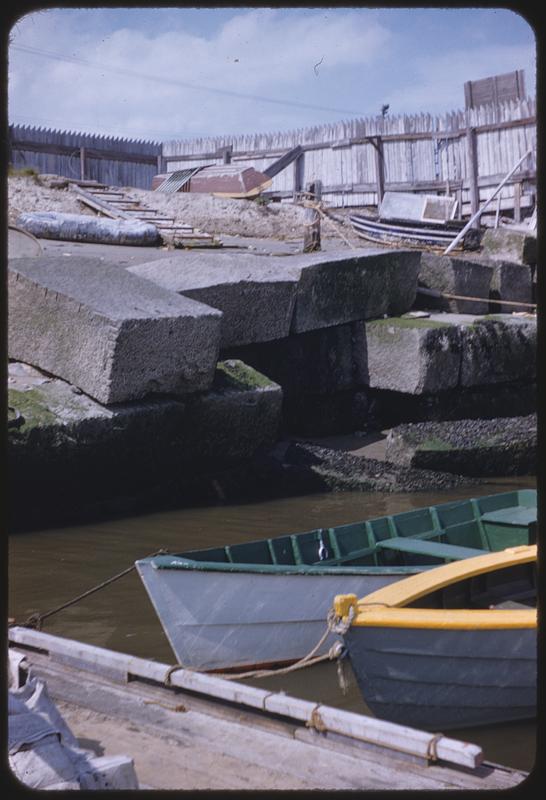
(99, 205)
(176, 745)
(97, 660)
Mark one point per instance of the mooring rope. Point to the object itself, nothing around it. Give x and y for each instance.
(36, 620)
(333, 625)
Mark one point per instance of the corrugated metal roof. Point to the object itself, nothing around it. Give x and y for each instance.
(176, 180)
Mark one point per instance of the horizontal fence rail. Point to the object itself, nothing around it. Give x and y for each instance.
(465, 153)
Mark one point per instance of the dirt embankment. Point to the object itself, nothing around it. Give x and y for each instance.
(27, 194)
(216, 215)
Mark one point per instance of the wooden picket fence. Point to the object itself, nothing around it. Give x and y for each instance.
(462, 152)
(106, 159)
(465, 153)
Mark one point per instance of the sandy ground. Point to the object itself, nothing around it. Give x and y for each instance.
(216, 215)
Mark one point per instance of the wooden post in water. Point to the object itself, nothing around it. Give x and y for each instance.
(311, 236)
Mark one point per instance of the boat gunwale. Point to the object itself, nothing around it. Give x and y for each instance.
(388, 606)
(183, 561)
(443, 619)
(175, 562)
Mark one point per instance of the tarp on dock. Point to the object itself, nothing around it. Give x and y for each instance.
(44, 754)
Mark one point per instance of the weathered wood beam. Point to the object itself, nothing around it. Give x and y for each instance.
(99, 205)
(484, 181)
(379, 169)
(90, 152)
(82, 163)
(283, 162)
(387, 137)
(472, 151)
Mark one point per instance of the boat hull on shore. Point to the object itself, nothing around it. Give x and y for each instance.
(411, 234)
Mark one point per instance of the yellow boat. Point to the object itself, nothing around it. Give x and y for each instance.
(451, 647)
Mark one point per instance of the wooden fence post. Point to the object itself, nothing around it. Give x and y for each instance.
(379, 169)
(517, 202)
(82, 163)
(473, 172)
(311, 236)
(459, 203)
(226, 153)
(298, 173)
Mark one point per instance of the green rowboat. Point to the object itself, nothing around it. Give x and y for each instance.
(265, 602)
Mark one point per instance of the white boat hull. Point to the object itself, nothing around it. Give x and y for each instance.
(220, 620)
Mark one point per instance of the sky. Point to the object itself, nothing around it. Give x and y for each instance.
(179, 73)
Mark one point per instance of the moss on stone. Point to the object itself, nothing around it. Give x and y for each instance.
(435, 444)
(33, 407)
(235, 374)
(401, 322)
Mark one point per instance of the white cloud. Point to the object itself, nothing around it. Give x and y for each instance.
(259, 51)
(438, 81)
(264, 52)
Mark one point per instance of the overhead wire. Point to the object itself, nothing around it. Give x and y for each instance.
(175, 82)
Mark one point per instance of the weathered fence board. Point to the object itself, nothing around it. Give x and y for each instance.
(419, 152)
(356, 160)
(109, 160)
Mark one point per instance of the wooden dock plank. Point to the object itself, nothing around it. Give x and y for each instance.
(177, 747)
(264, 736)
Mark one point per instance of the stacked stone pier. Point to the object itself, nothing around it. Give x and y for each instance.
(197, 362)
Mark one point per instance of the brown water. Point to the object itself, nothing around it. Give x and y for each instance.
(49, 568)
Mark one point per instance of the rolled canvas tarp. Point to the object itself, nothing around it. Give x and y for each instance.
(85, 228)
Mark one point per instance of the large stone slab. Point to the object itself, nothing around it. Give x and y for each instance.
(256, 294)
(512, 282)
(506, 244)
(460, 276)
(498, 349)
(317, 362)
(415, 356)
(444, 351)
(344, 286)
(116, 336)
(318, 373)
(72, 454)
(515, 398)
